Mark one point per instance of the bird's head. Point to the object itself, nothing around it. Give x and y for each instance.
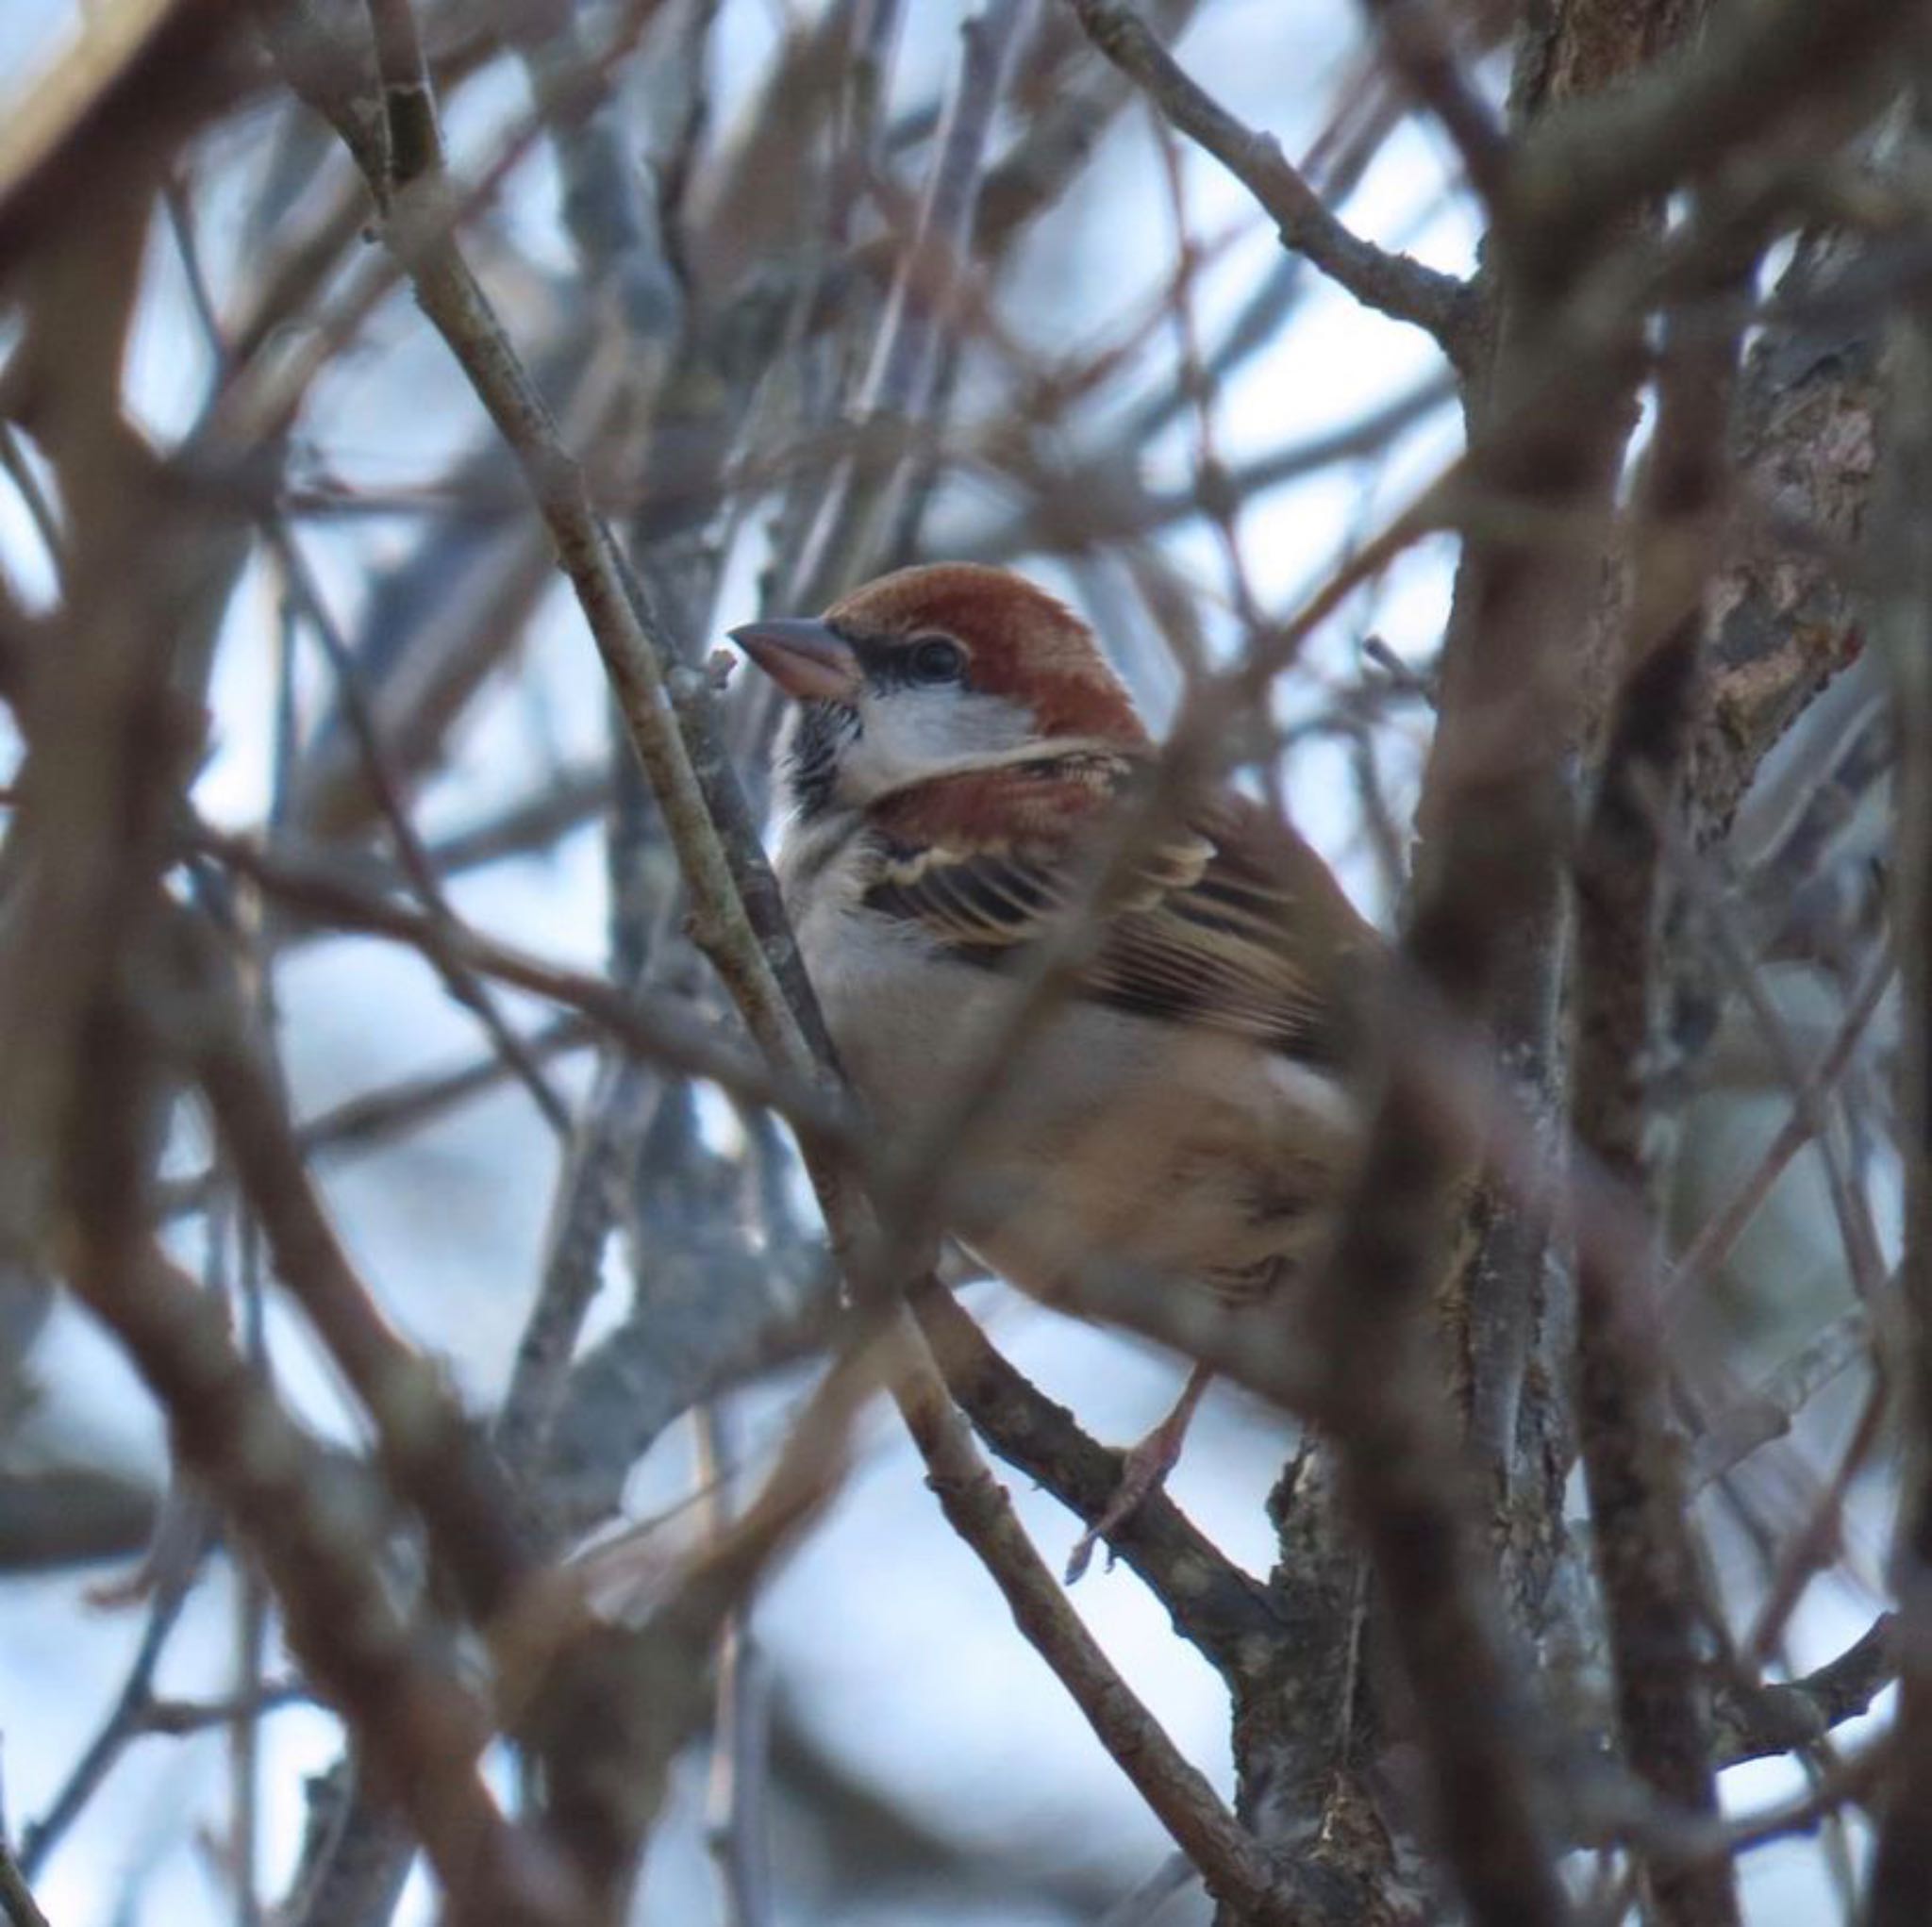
(931, 671)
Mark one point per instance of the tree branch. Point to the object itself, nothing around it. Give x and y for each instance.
(1214, 1604)
(1394, 285)
(1645, 1562)
(1600, 157)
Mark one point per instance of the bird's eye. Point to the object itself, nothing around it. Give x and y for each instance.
(937, 659)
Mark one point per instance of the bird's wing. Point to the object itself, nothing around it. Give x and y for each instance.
(1229, 921)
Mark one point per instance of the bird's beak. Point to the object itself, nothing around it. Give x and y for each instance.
(804, 657)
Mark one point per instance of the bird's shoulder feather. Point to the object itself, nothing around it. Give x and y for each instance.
(1228, 921)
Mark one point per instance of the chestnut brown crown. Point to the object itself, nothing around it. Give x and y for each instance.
(1021, 643)
(1018, 643)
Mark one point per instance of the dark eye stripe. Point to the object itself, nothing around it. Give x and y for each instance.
(923, 662)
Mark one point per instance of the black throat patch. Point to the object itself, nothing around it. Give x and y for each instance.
(823, 731)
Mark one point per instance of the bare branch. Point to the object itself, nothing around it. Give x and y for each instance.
(1714, 1241)
(1603, 155)
(1215, 1603)
(662, 1030)
(1767, 1412)
(1394, 285)
(1645, 1562)
(16, 1897)
(1232, 1863)
(1791, 1715)
(431, 1452)
(860, 495)
(422, 1729)
(1416, 42)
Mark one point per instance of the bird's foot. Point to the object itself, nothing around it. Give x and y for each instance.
(1143, 1473)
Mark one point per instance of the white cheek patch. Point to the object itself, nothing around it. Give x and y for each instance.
(912, 734)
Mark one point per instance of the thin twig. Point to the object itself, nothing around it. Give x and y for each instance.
(1394, 285)
(315, 1541)
(126, 1719)
(737, 1800)
(1720, 1233)
(1415, 40)
(428, 1448)
(16, 1897)
(375, 1120)
(857, 499)
(1769, 1411)
(410, 851)
(666, 1031)
(1851, 1209)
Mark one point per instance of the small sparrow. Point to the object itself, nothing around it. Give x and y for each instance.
(1189, 1110)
